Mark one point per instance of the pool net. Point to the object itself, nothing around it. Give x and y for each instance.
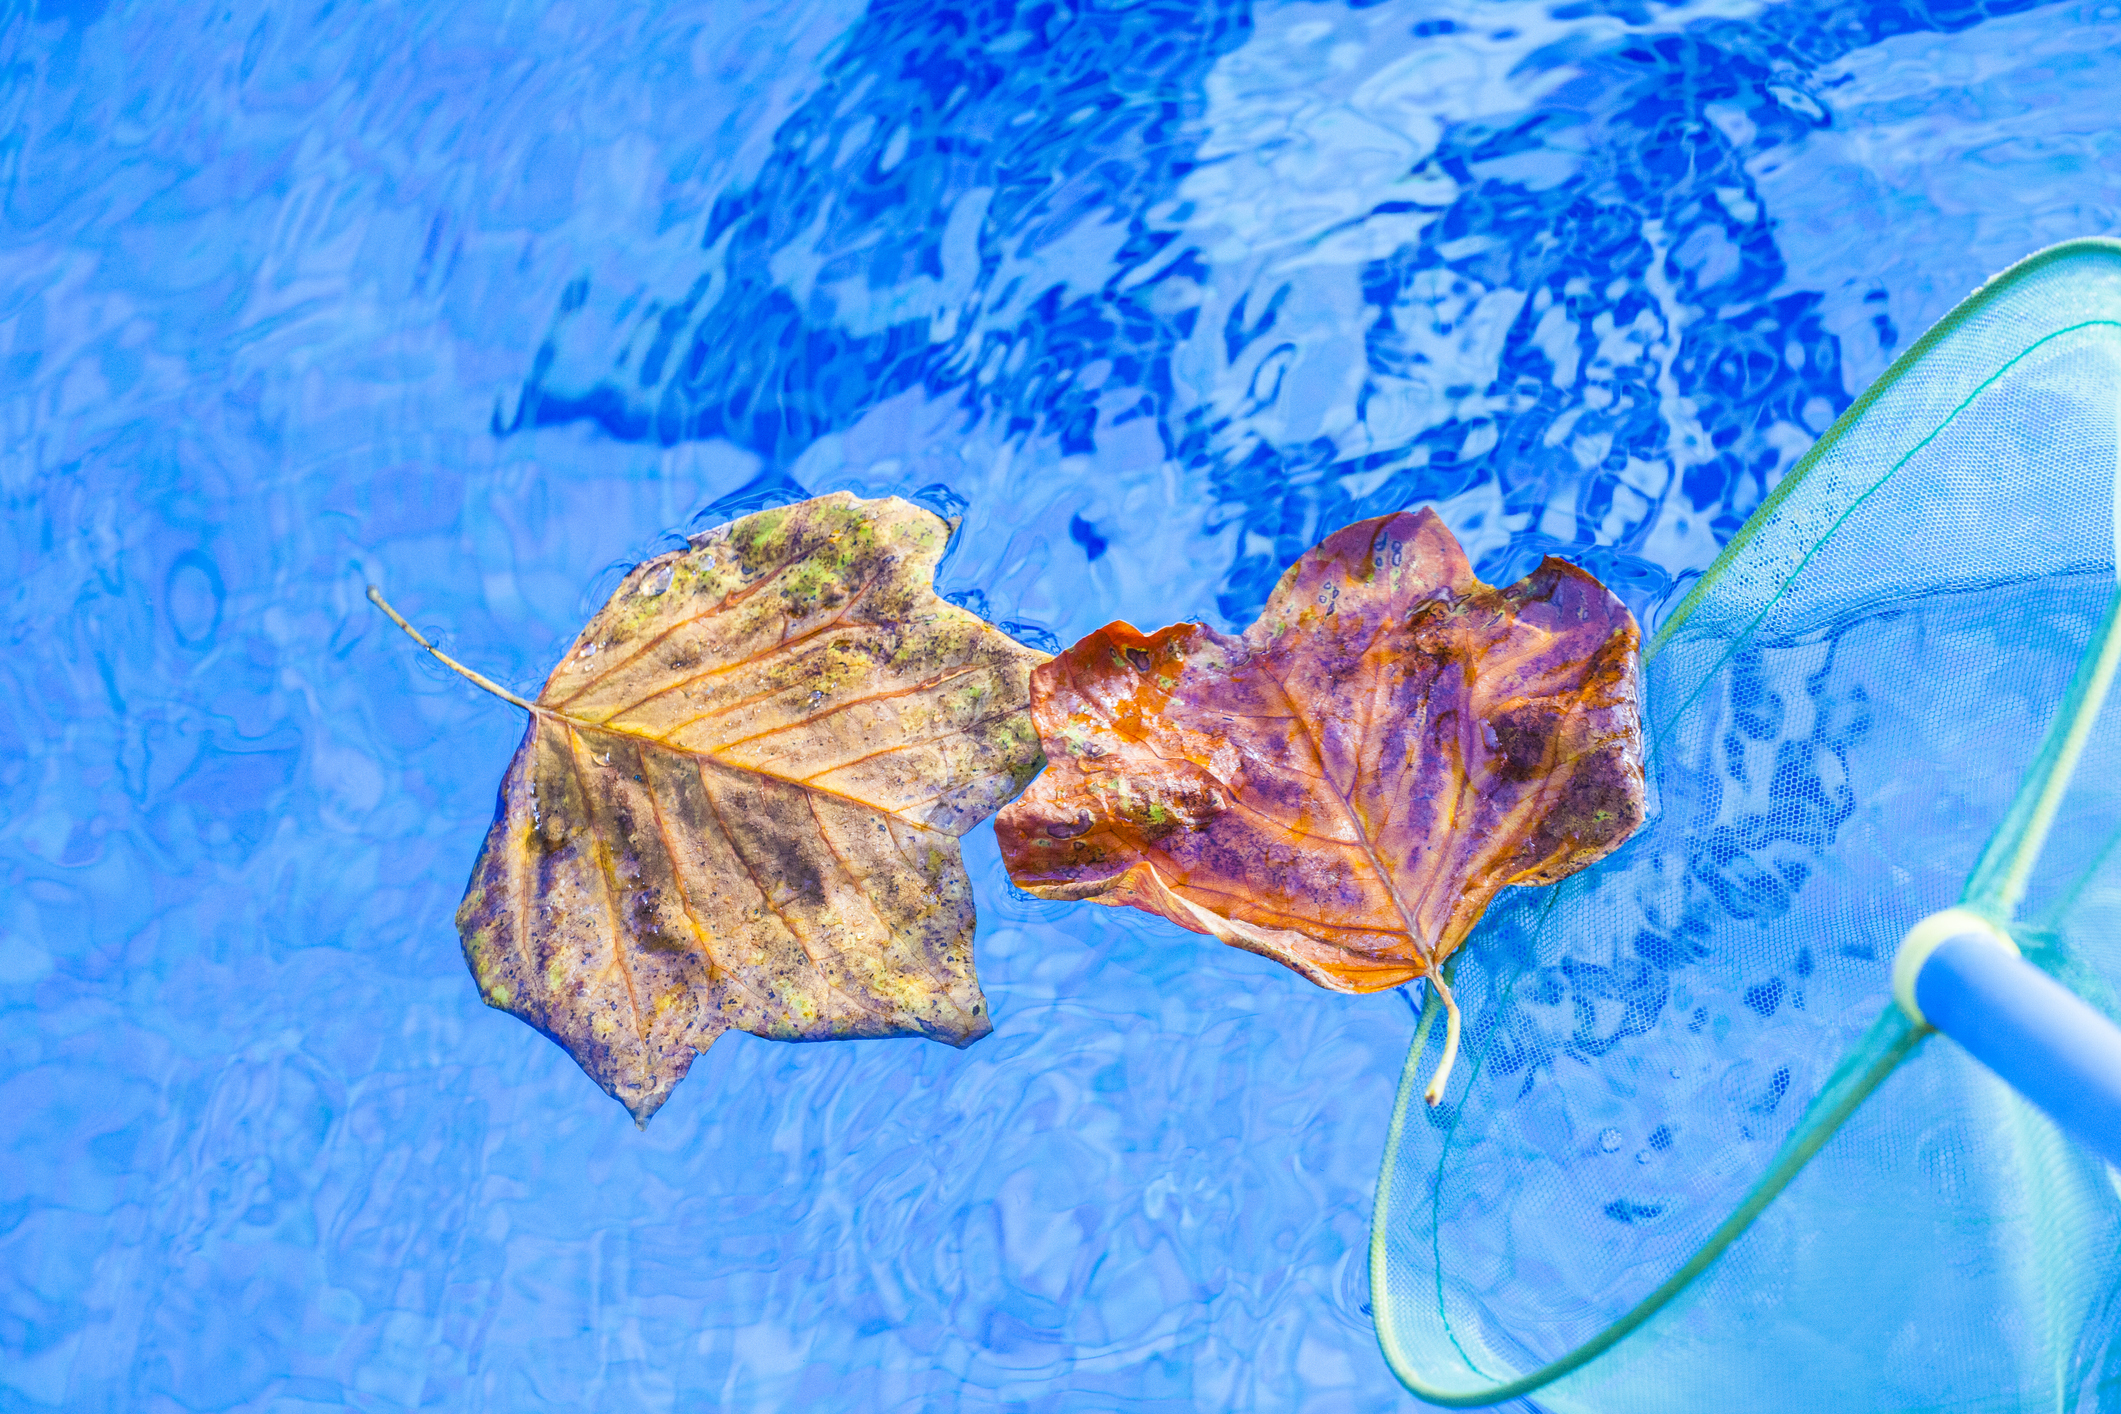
(1695, 1158)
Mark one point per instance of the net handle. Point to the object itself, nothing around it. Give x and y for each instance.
(2039, 1037)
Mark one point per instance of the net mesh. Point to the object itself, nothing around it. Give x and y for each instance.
(1696, 1159)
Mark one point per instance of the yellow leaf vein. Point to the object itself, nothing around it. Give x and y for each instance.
(611, 882)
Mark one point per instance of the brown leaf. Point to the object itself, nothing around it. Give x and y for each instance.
(1347, 785)
(739, 799)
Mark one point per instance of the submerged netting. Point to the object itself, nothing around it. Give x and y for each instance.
(1696, 1158)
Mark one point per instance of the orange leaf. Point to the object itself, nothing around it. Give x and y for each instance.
(1346, 786)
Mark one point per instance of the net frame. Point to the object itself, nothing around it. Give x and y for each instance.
(1787, 531)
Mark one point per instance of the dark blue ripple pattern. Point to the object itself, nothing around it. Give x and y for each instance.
(1655, 375)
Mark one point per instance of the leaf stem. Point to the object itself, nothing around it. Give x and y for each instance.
(375, 597)
(1434, 1093)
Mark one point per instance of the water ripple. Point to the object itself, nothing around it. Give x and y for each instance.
(484, 302)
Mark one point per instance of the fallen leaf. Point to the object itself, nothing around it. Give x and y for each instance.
(739, 798)
(1345, 786)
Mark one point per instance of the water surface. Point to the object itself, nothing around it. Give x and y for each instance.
(484, 302)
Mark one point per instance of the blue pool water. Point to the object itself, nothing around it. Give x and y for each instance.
(483, 302)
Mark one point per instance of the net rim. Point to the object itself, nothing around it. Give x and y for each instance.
(1991, 290)
(1893, 1037)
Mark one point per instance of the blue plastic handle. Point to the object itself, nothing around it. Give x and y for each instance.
(2036, 1034)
